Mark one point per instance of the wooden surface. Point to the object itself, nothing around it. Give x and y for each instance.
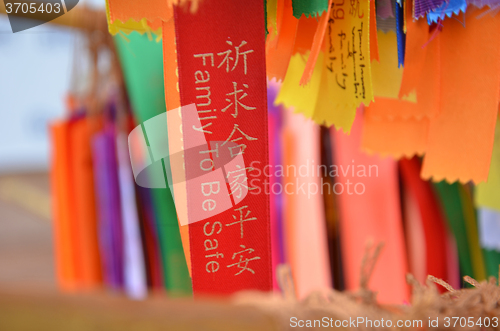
(35, 309)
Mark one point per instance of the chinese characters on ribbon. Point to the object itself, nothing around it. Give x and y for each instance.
(222, 74)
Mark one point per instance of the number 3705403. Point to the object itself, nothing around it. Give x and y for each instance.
(32, 8)
(453, 322)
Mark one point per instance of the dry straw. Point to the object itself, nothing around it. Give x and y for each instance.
(456, 308)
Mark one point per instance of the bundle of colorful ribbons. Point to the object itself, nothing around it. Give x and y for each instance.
(364, 120)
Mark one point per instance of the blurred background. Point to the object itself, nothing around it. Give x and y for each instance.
(68, 99)
(36, 68)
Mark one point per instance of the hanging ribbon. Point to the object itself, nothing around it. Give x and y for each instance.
(221, 72)
(371, 182)
(432, 220)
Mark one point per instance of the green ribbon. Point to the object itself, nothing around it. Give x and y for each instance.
(309, 8)
(142, 64)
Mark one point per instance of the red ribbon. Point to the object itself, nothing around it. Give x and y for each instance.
(221, 66)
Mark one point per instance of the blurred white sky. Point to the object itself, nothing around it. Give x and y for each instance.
(35, 70)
